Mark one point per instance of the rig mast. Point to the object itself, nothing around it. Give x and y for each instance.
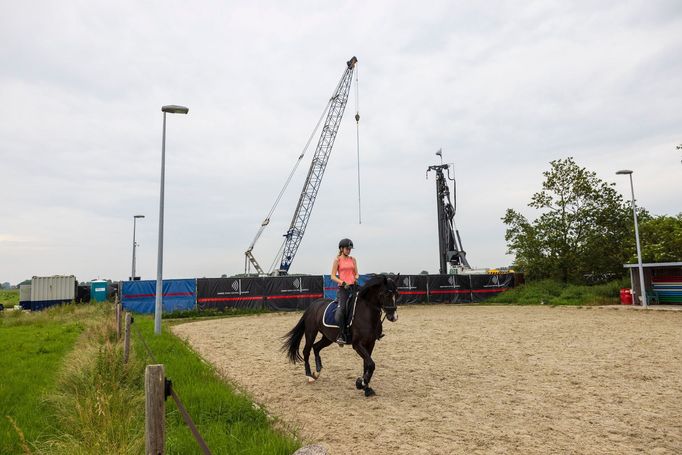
(449, 243)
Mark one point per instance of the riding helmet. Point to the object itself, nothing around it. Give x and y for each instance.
(346, 243)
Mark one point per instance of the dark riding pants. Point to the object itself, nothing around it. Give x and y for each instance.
(343, 296)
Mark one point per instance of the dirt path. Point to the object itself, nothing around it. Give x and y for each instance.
(467, 379)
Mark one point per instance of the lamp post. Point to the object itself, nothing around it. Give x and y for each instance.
(170, 109)
(135, 217)
(639, 250)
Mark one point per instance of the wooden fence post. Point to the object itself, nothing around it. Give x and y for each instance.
(155, 409)
(118, 321)
(126, 342)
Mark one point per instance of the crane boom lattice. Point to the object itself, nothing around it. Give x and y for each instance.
(337, 106)
(292, 238)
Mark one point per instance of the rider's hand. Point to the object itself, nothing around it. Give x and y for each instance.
(345, 285)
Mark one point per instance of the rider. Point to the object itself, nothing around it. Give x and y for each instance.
(346, 267)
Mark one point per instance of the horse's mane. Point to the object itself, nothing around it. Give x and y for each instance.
(374, 281)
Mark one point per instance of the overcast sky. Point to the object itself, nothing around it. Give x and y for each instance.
(502, 87)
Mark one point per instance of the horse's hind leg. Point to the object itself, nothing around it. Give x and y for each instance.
(309, 340)
(317, 347)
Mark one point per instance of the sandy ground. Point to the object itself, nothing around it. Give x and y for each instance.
(467, 379)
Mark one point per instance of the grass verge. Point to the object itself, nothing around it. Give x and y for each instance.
(550, 292)
(228, 420)
(87, 401)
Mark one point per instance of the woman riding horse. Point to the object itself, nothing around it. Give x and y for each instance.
(377, 295)
(345, 274)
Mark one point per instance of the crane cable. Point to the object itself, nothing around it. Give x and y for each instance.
(266, 221)
(357, 134)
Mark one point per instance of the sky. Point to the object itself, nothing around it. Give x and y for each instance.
(502, 87)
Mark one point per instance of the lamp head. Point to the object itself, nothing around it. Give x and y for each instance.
(174, 109)
(138, 216)
(624, 172)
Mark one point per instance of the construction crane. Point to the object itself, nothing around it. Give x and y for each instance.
(450, 249)
(292, 238)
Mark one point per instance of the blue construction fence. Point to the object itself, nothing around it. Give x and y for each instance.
(289, 293)
(140, 296)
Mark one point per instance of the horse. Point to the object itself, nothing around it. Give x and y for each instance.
(377, 295)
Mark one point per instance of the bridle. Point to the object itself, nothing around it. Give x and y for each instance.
(386, 308)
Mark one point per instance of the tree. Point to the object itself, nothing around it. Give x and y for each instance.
(661, 239)
(583, 227)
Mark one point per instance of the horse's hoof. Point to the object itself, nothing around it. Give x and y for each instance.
(358, 384)
(310, 379)
(316, 375)
(369, 392)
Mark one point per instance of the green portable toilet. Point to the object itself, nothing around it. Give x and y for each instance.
(98, 290)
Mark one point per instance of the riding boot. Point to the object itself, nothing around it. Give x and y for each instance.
(341, 339)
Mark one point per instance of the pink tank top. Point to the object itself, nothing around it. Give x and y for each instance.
(346, 269)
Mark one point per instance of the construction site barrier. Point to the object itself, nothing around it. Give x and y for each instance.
(296, 292)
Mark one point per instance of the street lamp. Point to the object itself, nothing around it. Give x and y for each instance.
(135, 217)
(170, 109)
(639, 250)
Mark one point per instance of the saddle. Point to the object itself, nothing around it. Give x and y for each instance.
(332, 313)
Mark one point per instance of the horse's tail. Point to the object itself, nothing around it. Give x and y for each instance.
(292, 339)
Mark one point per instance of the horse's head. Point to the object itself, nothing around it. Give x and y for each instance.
(388, 297)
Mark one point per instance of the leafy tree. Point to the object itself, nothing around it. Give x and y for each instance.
(583, 228)
(661, 239)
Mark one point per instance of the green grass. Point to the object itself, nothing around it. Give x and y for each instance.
(87, 401)
(9, 297)
(227, 420)
(33, 348)
(552, 292)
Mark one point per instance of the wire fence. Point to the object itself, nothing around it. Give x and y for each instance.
(170, 391)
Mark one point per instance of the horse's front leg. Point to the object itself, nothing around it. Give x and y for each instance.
(365, 351)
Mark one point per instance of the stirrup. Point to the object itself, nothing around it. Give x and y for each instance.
(341, 340)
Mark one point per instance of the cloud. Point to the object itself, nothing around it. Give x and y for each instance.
(502, 88)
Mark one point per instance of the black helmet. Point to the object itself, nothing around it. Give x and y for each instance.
(346, 243)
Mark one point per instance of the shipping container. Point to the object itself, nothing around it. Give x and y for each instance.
(25, 296)
(52, 290)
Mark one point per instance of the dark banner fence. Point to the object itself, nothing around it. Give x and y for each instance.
(221, 293)
(412, 289)
(288, 293)
(449, 288)
(485, 286)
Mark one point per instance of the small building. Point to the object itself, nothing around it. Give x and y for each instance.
(662, 281)
(99, 290)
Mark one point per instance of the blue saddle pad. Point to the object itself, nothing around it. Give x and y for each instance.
(330, 314)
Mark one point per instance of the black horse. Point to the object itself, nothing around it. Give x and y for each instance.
(379, 293)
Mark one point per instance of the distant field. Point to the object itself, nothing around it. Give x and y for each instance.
(9, 297)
